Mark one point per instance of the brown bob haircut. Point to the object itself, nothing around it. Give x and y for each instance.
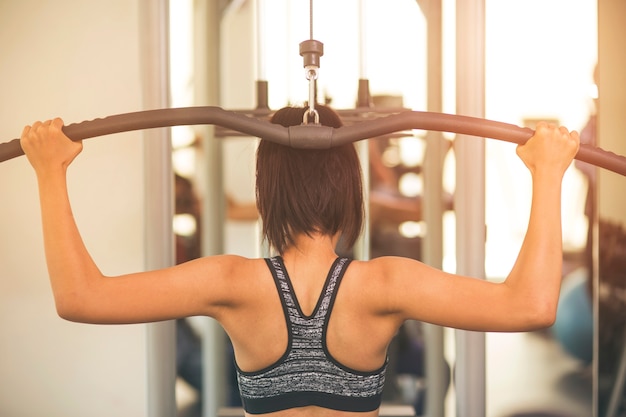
(306, 191)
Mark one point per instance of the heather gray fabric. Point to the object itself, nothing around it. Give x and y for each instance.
(307, 374)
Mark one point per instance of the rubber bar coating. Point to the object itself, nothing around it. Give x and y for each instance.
(314, 136)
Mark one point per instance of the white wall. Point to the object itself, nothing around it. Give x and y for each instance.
(79, 60)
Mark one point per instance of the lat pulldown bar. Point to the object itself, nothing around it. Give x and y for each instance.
(311, 136)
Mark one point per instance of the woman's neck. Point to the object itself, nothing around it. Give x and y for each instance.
(316, 246)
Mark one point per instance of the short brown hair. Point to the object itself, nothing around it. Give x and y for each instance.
(308, 190)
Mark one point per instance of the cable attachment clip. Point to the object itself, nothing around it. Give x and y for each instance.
(311, 113)
(311, 51)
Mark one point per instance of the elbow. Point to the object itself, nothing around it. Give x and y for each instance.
(66, 312)
(68, 307)
(533, 309)
(68, 315)
(542, 315)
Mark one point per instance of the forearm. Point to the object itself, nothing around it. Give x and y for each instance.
(536, 276)
(70, 267)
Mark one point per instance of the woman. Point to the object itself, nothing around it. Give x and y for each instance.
(310, 330)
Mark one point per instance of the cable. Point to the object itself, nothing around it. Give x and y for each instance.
(311, 19)
(311, 50)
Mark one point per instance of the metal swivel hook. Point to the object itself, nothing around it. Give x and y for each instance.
(311, 51)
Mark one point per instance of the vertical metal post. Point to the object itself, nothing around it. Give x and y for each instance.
(261, 70)
(213, 220)
(159, 240)
(362, 245)
(207, 78)
(436, 381)
(362, 7)
(470, 197)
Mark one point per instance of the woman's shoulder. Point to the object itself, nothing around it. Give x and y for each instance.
(389, 274)
(231, 280)
(384, 266)
(376, 275)
(231, 265)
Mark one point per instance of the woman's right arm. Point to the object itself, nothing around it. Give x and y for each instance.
(81, 292)
(527, 299)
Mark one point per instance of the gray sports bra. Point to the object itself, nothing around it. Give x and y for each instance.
(307, 374)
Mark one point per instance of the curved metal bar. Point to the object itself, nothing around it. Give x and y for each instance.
(314, 136)
(149, 119)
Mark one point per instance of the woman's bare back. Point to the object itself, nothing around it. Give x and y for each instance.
(357, 335)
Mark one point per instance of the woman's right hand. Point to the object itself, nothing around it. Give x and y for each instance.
(551, 148)
(47, 147)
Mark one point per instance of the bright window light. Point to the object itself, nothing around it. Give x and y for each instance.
(412, 151)
(412, 229)
(411, 185)
(184, 225)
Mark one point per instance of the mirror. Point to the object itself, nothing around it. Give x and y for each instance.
(547, 375)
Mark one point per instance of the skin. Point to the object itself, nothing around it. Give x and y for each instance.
(374, 299)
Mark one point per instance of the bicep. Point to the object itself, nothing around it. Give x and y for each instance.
(193, 288)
